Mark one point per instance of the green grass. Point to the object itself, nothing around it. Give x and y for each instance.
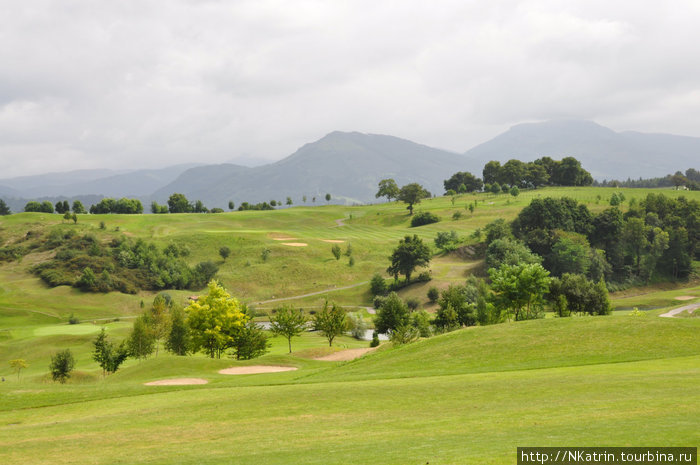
(468, 397)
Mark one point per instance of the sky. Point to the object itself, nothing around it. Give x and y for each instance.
(143, 84)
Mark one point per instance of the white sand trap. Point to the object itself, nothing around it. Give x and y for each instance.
(346, 355)
(685, 297)
(177, 382)
(295, 244)
(255, 369)
(333, 241)
(283, 238)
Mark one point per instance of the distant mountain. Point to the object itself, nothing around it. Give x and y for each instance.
(106, 183)
(605, 153)
(348, 165)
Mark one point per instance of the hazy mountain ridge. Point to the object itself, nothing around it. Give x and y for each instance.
(605, 153)
(348, 165)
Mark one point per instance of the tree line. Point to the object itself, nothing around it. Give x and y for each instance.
(690, 180)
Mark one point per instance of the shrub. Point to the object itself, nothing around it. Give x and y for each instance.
(412, 303)
(456, 215)
(424, 277)
(433, 294)
(73, 320)
(377, 285)
(424, 218)
(375, 339)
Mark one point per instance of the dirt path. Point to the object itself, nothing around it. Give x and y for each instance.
(346, 355)
(310, 294)
(678, 310)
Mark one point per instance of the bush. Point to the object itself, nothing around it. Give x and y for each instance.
(412, 303)
(424, 218)
(377, 285)
(73, 320)
(378, 301)
(375, 339)
(424, 277)
(433, 294)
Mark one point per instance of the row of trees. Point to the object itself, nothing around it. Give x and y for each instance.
(690, 179)
(411, 194)
(106, 205)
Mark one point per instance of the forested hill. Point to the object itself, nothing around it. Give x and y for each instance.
(606, 154)
(348, 165)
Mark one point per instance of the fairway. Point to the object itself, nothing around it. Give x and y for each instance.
(470, 396)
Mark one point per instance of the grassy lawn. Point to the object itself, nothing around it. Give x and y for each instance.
(467, 397)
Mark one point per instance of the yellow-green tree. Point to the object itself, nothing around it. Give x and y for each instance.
(17, 365)
(215, 321)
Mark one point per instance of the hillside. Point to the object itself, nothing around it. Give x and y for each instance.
(606, 154)
(346, 165)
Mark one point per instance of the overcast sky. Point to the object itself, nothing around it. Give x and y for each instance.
(136, 84)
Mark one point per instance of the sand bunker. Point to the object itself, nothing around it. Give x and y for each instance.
(255, 369)
(346, 355)
(177, 382)
(333, 241)
(281, 237)
(686, 297)
(295, 244)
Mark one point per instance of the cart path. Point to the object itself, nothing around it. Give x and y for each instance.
(310, 294)
(678, 310)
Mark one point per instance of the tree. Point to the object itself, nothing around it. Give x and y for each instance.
(520, 288)
(495, 188)
(303, 198)
(330, 322)
(60, 207)
(514, 191)
(328, 197)
(512, 173)
(107, 355)
(178, 203)
(412, 194)
(574, 293)
(455, 297)
(509, 251)
(536, 175)
(491, 172)
(288, 322)
(62, 364)
(377, 285)
(178, 340)
(17, 365)
(463, 181)
(158, 318)
(141, 342)
(289, 200)
(231, 205)
(433, 294)
(410, 254)
(251, 342)
(225, 252)
(4, 209)
(215, 321)
(388, 189)
(335, 250)
(391, 314)
(447, 241)
(634, 236)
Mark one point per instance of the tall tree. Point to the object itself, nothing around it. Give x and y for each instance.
(231, 205)
(412, 194)
(141, 342)
(4, 209)
(17, 365)
(107, 355)
(492, 172)
(408, 255)
(330, 322)
(392, 314)
(62, 364)
(215, 321)
(178, 341)
(178, 203)
(519, 288)
(388, 189)
(288, 322)
(78, 207)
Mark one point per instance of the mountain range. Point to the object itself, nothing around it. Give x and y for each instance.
(348, 165)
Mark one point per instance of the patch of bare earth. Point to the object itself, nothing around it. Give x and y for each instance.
(346, 355)
(685, 297)
(281, 237)
(255, 369)
(295, 244)
(333, 241)
(177, 382)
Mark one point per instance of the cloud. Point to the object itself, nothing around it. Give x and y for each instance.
(134, 84)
